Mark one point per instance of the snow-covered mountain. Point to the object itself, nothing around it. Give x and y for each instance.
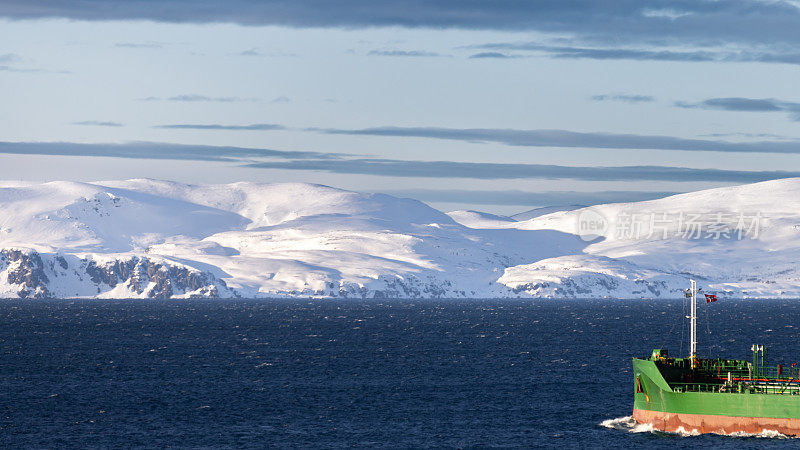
(146, 238)
(741, 241)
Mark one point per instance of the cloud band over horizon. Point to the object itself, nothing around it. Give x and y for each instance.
(347, 164)
(154, 150)
(572, 139)
(499, 171)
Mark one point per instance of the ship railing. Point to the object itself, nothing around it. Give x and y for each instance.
(723, 373)
(763, 386)
(748, 371)
(738, 368)
(778, 372)
(695, 387)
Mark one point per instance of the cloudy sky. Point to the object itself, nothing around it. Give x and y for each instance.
(499, 105)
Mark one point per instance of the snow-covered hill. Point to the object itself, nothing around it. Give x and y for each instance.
(146, 238)
(742, 241)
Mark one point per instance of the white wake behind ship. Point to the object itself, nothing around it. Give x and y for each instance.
(147, 238)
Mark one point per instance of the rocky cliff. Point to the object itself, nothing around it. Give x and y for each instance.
(30, 274)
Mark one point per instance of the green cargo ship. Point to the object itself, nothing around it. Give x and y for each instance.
(694, 395)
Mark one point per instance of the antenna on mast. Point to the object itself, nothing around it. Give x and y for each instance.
(693, 325)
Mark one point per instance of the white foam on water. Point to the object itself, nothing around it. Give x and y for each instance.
(629, 424)
(682, 431)
(769, 434)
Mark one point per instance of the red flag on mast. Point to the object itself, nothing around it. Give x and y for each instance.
(710, 298)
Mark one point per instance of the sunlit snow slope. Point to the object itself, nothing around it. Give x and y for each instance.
(146, 238)
(741, 241)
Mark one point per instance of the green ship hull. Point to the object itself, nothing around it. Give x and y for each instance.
(715, 396)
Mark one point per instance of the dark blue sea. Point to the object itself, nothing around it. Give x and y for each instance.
(352, 373)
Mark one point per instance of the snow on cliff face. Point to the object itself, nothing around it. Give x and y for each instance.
(147, 238)
(30, 274)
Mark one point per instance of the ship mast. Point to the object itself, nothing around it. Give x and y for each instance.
(693, 325)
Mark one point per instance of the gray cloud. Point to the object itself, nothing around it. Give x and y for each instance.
(199, 98)
(616, 53)
(741, 104)
(154, 150)
(9, 61)
(687, 21)
(571, 139)
(492, 55)
(411, 53)
(623, 98)
(255, 51)
(346, 164)
(99, 123)
(281, 99)
(638, 54)
(9, 58)
(214, 126)
(665, 30)
(5, 68)
(752, 136)
(734, 104)
(496, 171)
(513, 197)
(599, 53)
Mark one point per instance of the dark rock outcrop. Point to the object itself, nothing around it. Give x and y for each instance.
(155, 279)
(46, 275)
(25, 269)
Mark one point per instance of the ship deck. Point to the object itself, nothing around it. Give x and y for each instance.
(728, 375)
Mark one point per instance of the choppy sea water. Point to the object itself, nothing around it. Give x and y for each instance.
(351, 373)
